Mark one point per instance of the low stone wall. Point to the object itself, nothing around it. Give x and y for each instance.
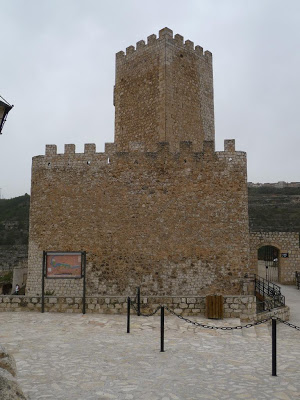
(282, 313)
(243, 307)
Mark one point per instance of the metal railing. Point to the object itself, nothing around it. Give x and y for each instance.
(268, 294)
(297, 275)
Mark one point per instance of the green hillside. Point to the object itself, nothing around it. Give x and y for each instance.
(14, 220)
(274, 209)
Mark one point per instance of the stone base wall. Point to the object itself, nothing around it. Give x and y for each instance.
(243, 307)
(168, 222)
(282, 313)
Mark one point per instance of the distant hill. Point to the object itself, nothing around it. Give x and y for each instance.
(274, 208)
(14, 220)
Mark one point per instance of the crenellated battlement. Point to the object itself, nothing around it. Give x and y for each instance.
(112, 155)
(165, 34)
(111, 148)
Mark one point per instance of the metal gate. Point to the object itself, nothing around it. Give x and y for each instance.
(268, 263)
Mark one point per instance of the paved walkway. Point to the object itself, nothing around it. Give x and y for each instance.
(91, 357)
(292, 296)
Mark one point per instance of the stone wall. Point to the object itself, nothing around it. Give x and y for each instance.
(285, 242)
(243, 307)
(171, 223)
(163, 92)
(282, 313)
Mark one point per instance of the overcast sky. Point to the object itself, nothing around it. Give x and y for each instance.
(58, 63)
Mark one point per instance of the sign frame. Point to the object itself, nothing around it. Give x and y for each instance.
(82, 254)
(62, 254)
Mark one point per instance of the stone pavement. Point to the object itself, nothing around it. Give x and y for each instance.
(91, 357)
(292, 296)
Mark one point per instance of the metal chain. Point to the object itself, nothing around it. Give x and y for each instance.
(150, 315)
(288, 324)
(223, 328)
(145, 315)
(133, 306)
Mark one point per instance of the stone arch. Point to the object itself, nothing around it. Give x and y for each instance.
(268, 262)
(287, 244)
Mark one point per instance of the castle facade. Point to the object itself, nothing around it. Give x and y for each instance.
(160, 208)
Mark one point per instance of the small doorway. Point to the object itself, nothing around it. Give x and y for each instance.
(268, 263)
(7, 288)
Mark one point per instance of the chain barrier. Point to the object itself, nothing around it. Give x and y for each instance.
(150, 315)
(222, 328)
(288, 324)
(142, 314)
(133, 306)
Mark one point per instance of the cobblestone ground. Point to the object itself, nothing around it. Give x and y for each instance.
(91, 357)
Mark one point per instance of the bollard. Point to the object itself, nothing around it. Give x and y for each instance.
(128, 314)
(43, 282)
(274, 361)
(138, 301)
(162, 328)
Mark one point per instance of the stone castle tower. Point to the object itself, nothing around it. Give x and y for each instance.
(160, 208)
(163, 93)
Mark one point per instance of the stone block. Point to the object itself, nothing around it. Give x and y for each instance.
(34, 300)
(191, 300)
(183, 300)
(178, 310)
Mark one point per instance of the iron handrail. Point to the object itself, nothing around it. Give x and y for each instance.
(270, 292)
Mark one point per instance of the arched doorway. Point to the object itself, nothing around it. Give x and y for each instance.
(6, 288)
(268, 263)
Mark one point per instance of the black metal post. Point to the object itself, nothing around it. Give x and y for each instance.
(274, 360)
(128, 314)
(162, 328)
(43, 282)
(138, 301)
(84, 280)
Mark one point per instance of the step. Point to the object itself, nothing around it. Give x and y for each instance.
(249, 332)
(263, 331)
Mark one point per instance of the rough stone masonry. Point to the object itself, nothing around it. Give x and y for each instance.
(160, 208)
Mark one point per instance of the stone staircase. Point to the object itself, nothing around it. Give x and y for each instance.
(259, 331)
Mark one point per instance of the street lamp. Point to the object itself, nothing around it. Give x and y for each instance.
(5, 108)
